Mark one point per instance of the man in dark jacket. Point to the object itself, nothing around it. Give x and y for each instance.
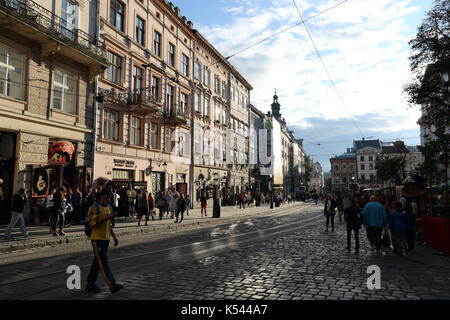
(19, 202)
(330, 211)
(353, 219)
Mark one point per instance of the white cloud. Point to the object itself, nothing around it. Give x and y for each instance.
(363, 44)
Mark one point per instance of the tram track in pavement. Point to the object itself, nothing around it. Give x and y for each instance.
(178, 254)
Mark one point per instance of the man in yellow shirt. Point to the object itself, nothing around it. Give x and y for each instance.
(99, 219)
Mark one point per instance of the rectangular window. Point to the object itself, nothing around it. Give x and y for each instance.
(168, 140)
(111, 124)
(217, 85)
(207, 77)
(363, 167)
(135, 134)
(68, 18)
(185, 65)
(363, 177)
(157, 43)
(170, 92)
(64, 92)
(11, 73)
(141, 177)
(123, 174)
(224, 89)
(370, 166)
(197, 102)
(183, 103)
(138, 79)
(154, 136)
(371, 158)
(155, 88)
(224, 116)
(362, 158)
(114, 71)
(182, 140)
(140, 31)
(207, 107)
(197, 147)
(197, 70)
(116, 14)
(217, 113)
(171, 58)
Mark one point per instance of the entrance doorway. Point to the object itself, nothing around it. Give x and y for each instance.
(7, 164)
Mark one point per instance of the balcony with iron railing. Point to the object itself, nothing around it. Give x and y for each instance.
(52, 33)
(175, 115)
(143, 101)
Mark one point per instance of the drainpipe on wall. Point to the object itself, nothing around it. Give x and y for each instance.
(94, 151)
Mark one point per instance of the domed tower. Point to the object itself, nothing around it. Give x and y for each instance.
(276, 107)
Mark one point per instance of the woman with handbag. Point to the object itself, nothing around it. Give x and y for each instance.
(59, 210)
(329, 212)
(354, 220)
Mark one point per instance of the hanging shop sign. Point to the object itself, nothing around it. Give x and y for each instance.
(61, 152)
(39, 183)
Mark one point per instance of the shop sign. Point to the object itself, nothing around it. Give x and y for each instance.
(39, 183)
(119, 163)
(129, 164)
(61, 152)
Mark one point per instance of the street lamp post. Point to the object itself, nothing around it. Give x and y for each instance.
(445, 75)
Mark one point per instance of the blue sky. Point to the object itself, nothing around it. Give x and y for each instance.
(364, 45)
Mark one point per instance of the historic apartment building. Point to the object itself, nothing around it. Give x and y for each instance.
(344, 173)
(367, 152)
(238, 141)
(211, 122)
(144, 124)
(49, 57)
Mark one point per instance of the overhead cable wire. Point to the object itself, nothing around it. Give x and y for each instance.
(326, 69)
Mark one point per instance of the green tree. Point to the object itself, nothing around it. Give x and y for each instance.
(430, 53)
(436, 152)
(309, 168)
(391, 169)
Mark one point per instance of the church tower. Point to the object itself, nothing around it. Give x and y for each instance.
(276, 107)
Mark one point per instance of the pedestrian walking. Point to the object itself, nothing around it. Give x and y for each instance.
(399, 224)
(69, 207)
(59, 210)
(19, 201)
(131, 196)
(76, 202)
(329, 212)
(203, 204)
(151, 205)
(241, 201)
(167, 208)
(181, 206)
(161, 204)
(375, 220)
(174, 196)
(188, 203)
(353, 218)
(99, 218)
(142, 207)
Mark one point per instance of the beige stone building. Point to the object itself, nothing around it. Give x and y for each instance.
(238, 140)
(49, 57)
(143, 135)
(211, 118)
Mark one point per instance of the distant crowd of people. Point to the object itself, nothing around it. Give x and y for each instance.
(379, 214)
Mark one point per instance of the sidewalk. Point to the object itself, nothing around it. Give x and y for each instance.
(39, 236)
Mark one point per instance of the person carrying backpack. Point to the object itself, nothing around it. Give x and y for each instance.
(399, 225)
(99, 223)
(161, 204)
(181, 206)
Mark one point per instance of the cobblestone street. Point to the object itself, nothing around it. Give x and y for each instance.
(280, 257)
